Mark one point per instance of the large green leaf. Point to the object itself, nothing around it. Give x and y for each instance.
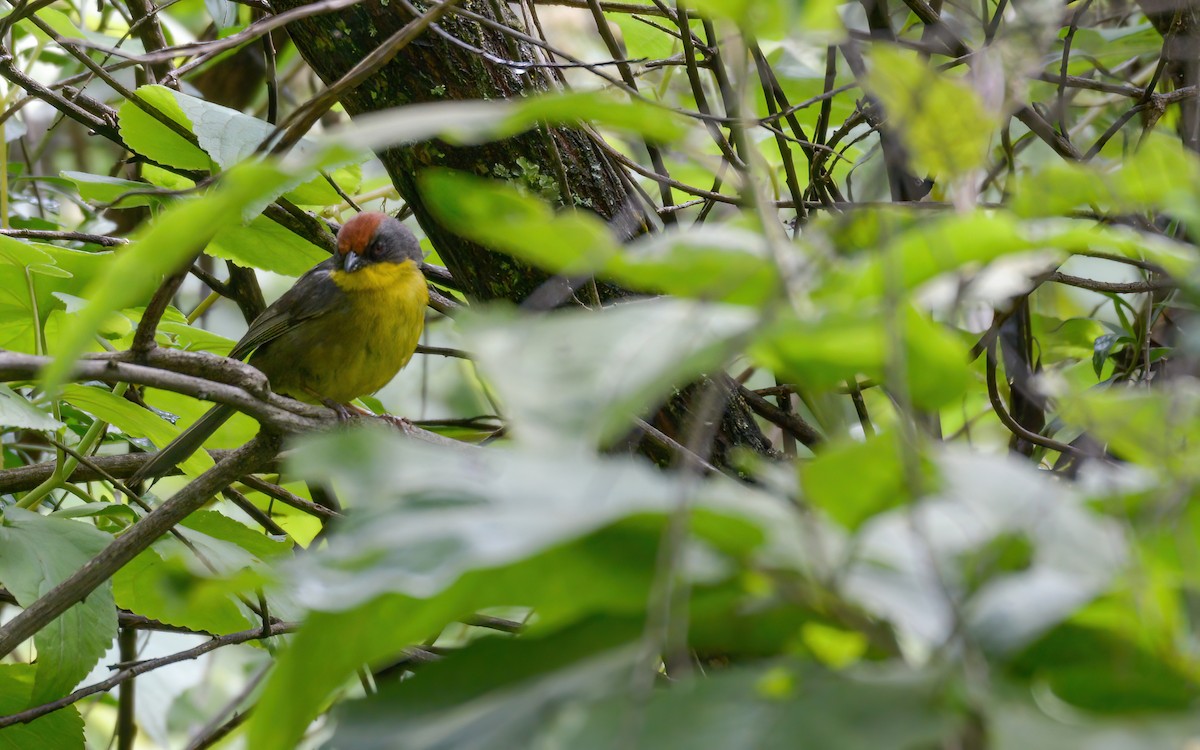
(579, 377)
(16, 411)
(61, 730)
(446, 531)
(36, 554)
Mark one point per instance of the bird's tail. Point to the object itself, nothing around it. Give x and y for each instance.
(189, 441)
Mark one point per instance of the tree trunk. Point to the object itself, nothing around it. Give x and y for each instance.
(563, 165)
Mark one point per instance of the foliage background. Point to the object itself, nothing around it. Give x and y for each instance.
(944, 252)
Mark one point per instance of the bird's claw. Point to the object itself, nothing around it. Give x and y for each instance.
(400, 423)
(345, 412)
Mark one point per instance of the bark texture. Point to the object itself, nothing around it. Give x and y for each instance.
(563, 165)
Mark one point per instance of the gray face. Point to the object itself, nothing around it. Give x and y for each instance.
(391, 243)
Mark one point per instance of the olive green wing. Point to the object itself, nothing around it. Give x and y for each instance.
(314, 294)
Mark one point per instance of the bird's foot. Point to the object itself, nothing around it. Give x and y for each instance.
(345, 412)
(400, 423)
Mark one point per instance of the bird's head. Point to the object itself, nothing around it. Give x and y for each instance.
(371, 238)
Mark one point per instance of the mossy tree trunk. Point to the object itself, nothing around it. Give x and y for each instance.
(566, 165)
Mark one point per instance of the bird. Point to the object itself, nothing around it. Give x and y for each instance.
(343, 330)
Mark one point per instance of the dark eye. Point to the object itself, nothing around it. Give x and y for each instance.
(374, 251)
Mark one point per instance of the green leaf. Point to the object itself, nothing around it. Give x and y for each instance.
(497, 692)
(643, 40)
(104, 189)
(36, 554)
(834, 482)
(534, 694)
(768, 18)
(824, 353)
(146, 135)
(227, 137)
(132, 420)
(159, 584)
(711, 263)
(446, 532)
(944, 123)
(265, 245)
(474, 122)
(61, 730)
(162, 582)
(498, 215)
(1160, 175)
(1096, 670)
(1155, 429)
(931, 248)
(16, 411)
(1045, 552)
(252, 547)
(582, 376)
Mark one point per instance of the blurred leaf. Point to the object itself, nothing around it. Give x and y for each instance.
(934, 247)
(768, 18)
(943, 122)
(1159, 175)
(498, 692)
(710, 263)
(1155, 429)
(452, 531)
(441, 512)
(834, 482)
(474, 122)
(545, 701)
(608, 571)
(580, 377)
(1098, 671)
(643, 40)
(1029, 726)
(501, 217)
(36, 554)
(920, 565)
(834, 647)
(827, 352)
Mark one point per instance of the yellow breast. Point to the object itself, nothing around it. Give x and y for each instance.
(356, 348)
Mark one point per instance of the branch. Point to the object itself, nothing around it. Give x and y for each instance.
(273, 411)
(149, 665)
(23, 478)
(788, 421)
(103, 240)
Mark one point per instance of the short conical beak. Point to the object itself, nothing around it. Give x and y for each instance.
(352, 262)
